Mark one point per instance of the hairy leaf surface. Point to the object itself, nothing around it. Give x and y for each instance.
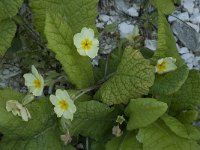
(47, 140)
(159, 137)
(132, 79)
(144, 111)
(13, 126)
(166, 7)
(93, 119)
(188, 96)
(185, 131)
(127, 141)
(9, 8)
(7, 33)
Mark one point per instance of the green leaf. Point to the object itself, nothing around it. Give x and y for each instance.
(166, 7)
(47, 140)
(93, 119)
(9, 8)
(7, 33)
(132, 79)
(144, 111)
(60, 40)
(158, 136)
(127, 141)
(188, 96)
(13, 126)
(98, 145)
(78, 13)
(188, 117)
(185, 131)
(170, 82)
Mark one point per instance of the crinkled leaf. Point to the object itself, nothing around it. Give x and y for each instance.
(9, 8)
(188, 117)
(166, 7)
(144, 111)
(49, 139)
(188, 96)
(60, 39)
(159, 137)
(185, 131)
(93, 119)
(7, 33)
(13, 126)
(127, 141)
(172, 81)
(132, 79)
(79, 13)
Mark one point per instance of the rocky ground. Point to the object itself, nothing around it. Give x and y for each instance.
(119, 18)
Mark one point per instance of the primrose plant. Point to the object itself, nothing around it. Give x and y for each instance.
(132, 99)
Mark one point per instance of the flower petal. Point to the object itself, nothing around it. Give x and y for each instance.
(59, 112)
(87, 32)
(81, 51)
(78, 38)
(54, 100)
(35, 72)
(29, 79)
(37, 91)
(24, 114)
(68, 115)
(93, 52)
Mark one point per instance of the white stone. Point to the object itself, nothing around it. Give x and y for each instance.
(172, 19)
(190, 66)
(151, 44)
(188, 5)
(187, 56)
(195, 18)
(195, 11)
(100, 25)
(183, 16)
(197, 61)
(126, 29)
(133, 12)
(104, 18)
(183, 50)
(194, 26)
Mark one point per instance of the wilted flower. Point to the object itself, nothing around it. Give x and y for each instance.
(35, 82)
(120, 119)
(18, 109)
(86, 43)
(165, 65)
(66, 138)
(117, 131)
(64, 106)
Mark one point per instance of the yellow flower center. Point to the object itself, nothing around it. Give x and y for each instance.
(37, 83)
(63, 105)
(86, 44)
(162, 66)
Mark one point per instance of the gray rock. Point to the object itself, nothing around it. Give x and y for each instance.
(187, 35)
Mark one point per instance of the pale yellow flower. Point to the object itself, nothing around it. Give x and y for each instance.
(165, 65)
(18, 109)
(64, 106)
(35, 82)
(86, 43)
